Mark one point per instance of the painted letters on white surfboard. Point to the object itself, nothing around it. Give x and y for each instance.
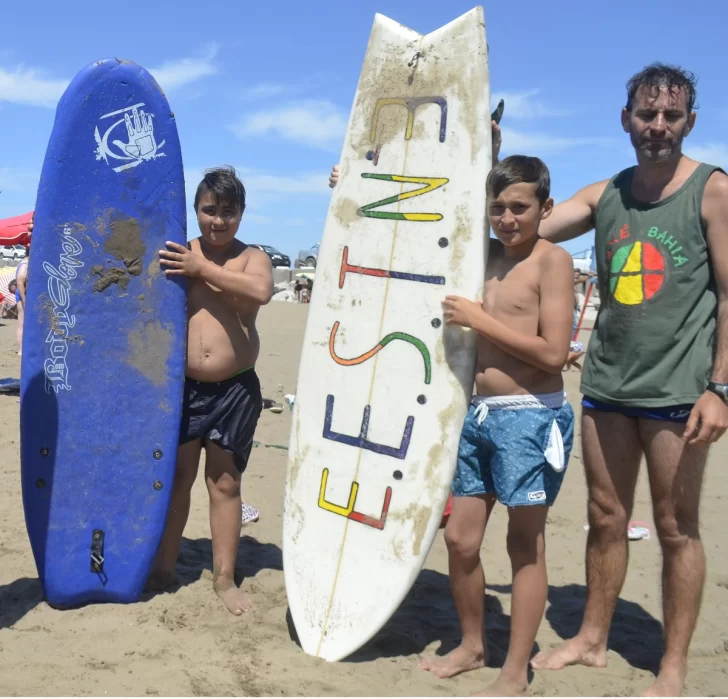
(383, 385)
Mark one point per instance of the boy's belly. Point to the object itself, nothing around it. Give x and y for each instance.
(219, 347)
(500, 374)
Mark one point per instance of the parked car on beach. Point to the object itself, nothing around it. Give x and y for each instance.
(277, 258)
(13, 252)
(308, 258)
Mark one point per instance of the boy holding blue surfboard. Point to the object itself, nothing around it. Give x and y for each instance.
(228, 283)
(518, 433)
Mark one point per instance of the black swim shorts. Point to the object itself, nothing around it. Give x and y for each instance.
(225, 412)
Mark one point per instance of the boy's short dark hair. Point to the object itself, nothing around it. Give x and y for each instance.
(657, 75)
(516, 169)
(225, 185)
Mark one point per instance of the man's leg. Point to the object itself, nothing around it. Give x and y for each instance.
(464, 536)
(612, 452)
(188, 460)
(526, 549)
(676, 478)
(223, 484)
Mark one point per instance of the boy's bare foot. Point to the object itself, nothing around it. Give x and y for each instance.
(504, 687)
(160, 580)
(575, 651)
(234, 599)
(669, 683)
(460, 660)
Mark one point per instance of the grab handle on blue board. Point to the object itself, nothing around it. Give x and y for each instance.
(97, 551)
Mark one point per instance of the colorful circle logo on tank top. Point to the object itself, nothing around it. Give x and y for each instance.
(636, 273)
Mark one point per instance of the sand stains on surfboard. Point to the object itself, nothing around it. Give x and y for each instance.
(125, 244)
(149, 348)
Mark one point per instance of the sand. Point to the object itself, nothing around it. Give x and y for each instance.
(185, 643)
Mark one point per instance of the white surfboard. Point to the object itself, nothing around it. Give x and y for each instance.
(384, 386)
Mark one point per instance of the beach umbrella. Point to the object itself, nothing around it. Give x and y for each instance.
(14, 230)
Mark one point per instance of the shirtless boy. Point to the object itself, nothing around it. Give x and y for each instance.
(518, 433)
(229, 282)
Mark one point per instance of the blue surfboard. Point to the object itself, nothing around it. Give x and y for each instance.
(104, 342)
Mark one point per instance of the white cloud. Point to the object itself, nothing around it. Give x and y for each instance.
(524, 105)
(31, 87)
(713, 153)
(254, 180)
(258, 218)
(183, 71)
(523, 142)
(264, 91)
(19, 180)
(314, 123)
(304, 183)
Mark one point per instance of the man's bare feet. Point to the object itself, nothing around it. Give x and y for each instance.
(234, 599)
(575, 651)
(670, 681)
(160, 580)
(504, 687)
(460, 660)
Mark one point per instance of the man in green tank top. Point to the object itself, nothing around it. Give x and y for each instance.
(655, 379)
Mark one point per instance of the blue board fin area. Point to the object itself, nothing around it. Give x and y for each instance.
(104, 338)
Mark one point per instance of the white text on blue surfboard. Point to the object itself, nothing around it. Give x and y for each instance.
(62, 320)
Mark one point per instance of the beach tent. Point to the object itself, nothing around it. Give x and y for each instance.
(14, 231)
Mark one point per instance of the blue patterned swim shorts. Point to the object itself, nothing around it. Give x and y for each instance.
(517, 447)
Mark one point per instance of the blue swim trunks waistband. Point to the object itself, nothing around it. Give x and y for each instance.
(551, 401)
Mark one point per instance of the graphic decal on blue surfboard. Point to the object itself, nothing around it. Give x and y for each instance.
(104, 338)
(138, 127)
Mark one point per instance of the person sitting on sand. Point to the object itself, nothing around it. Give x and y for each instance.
(305, 294)
(518, 433)
(8, 307)
(228, 283)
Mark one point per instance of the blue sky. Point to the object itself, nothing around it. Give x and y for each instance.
(267, 86)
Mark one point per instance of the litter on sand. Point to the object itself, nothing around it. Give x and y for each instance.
(635, 531)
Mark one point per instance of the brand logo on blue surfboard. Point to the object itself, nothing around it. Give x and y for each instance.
(131, 144)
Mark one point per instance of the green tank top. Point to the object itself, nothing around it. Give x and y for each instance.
(653, 340)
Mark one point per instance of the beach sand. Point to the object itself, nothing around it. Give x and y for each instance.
(185, 643)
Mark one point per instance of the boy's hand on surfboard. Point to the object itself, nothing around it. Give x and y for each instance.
(460, 311)
(334, 176)
(496, 139)
(180, 260)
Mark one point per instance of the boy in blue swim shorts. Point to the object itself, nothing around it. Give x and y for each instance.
(518, 433)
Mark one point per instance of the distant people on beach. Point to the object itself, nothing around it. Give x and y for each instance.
(306, 292)
(21, 277)
(228, 283)
(576, 348)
